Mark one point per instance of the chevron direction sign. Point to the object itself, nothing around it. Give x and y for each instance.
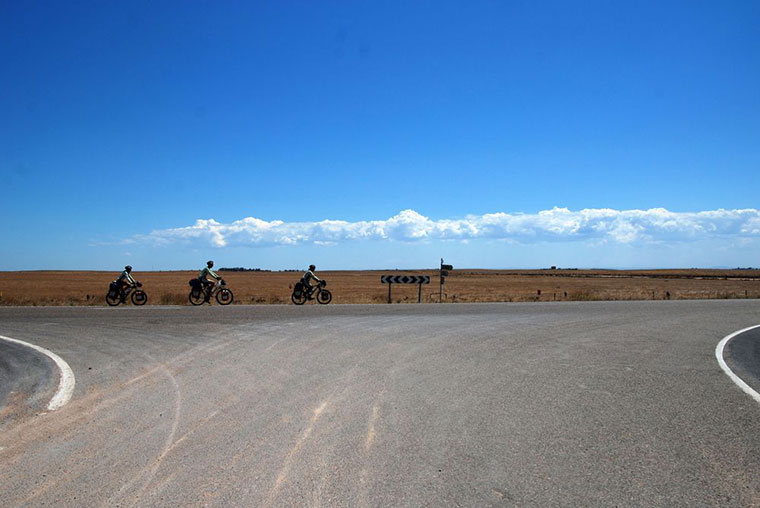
(405, 279)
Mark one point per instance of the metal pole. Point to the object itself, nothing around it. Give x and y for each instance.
(419, 292)
(389, 291)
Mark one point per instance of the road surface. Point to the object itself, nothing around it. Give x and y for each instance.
(540, 404)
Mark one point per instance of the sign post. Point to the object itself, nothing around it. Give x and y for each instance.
(444, 271)
(405, 279)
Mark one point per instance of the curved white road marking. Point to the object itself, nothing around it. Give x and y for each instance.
(736, 379)
(66, 382)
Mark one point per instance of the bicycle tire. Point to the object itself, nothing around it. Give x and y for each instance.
(222, 298)
(139, 297)
(197, 299)
(324, 297)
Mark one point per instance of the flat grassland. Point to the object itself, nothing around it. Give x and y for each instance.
(467, 285)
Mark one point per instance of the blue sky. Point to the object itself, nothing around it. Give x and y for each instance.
(124, 124)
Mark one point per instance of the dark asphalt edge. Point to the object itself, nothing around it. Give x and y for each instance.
(738, 354)
(29, 374)
(742, 354)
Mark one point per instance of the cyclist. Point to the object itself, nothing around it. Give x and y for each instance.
(205, 274)
(125, 280)
(309, 275)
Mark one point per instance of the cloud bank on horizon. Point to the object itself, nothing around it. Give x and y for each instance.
(558, 224)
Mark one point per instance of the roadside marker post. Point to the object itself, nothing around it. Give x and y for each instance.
(405, 279)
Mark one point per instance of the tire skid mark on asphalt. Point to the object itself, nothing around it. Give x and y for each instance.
(80, 413)
(74, 460)
(85, 409)
(285, 469)
(402, 364)
(170, 443)
(16, 452)
(76, 415)
(198, 425)
(76, 422)
(146, 475)
(224, 345)
(77, 418)
(333, 401)
(211, 348)
(368, 444)
(181, 359)
(77, 460)
(275, 343)
(99, 400)
(187, 357)
(175, 444)
(371, 426)
(163, 483)
(246, 452)
(74, 466)
(306, 434)
(319, 489)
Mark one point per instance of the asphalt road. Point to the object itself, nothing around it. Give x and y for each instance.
(742, 354)
(26, 379)
(560, 404)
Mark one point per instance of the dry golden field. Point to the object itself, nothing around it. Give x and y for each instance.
(467, 285)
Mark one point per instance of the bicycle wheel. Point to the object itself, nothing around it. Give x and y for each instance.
(196, 297)
(139, 297)
(324, 297)
(298, 300)
(224, 296)
(112, 299)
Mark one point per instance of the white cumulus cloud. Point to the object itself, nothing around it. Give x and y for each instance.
(557, 224)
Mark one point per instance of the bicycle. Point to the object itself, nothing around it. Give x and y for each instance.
(301, 293)
(116, 295)
(200, 295)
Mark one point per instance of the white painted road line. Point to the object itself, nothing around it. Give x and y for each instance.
(66, 382)
(736, 379)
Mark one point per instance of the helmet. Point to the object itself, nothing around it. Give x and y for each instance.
(209, 263)
(128, 268)
(312, 267)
